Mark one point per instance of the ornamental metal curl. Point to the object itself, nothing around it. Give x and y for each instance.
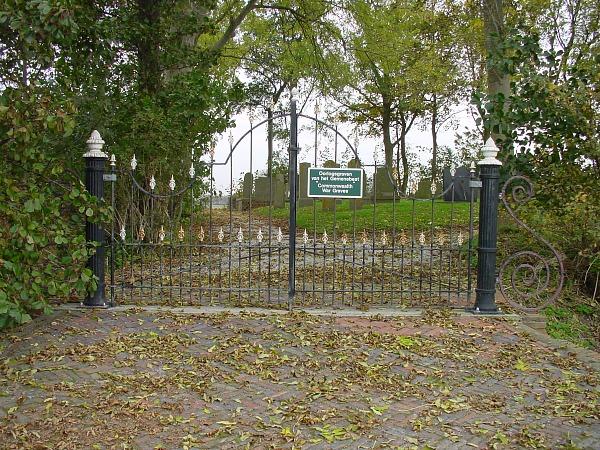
(528, 271)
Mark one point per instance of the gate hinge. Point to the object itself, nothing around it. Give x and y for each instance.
(475, 184)
(293, 148)
(109, 177)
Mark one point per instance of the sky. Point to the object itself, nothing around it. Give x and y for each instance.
(251, 153)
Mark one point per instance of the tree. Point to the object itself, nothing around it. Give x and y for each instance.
(386, 67)
(43, 204)
(553, 128)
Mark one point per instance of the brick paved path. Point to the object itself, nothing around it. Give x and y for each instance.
(157, 380)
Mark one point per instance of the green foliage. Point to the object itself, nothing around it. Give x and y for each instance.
(563, 324)
(42, 209)
(548, 130)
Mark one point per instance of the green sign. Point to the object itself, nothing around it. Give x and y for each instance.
(335, 182)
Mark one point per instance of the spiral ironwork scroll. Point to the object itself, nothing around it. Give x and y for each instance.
(525, 277)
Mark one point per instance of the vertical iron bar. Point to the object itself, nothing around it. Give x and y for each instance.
(112, 231)
(293, 172)
(210, 242)
(250, 211)
(191, 235)
(335, 158)
(230, 239)
(131, 247)
(470, 245)
(171, 237)
(431, 236)
(270, 174)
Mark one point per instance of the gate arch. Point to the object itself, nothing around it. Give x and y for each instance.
(245, 250)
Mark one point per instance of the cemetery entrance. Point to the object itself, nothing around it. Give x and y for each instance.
(238, 225)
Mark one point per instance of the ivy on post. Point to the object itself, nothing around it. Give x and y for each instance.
(485, 293)
(95, 159)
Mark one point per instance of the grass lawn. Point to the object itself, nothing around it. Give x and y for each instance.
(387, 216)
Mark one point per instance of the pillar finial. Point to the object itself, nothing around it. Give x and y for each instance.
(490, 151)
(94, 146)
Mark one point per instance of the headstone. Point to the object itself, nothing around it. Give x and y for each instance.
(329, 203)
(461, 191)
(303, 198)
(243, 203)
(261, 191)
(384, 189)
(357, 203)
(424, 189)
(278, 191)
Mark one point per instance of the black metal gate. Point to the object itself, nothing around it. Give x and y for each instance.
(175, 241)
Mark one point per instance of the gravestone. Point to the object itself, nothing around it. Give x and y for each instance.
(462, 191)
(329, 203)
(243, 203)
(384, 189)
(261, 191)
(424, 189)
(303, 198)
(357, 203)
(278, 191)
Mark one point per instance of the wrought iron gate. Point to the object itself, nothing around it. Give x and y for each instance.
(175, 241)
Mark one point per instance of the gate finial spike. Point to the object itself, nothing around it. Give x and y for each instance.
(172, 183)
(240, 235)
(279, 235)
(152, 183)
(133, 162)
(305, 237)
(221, 234)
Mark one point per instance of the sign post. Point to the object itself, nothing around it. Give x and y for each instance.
(335, 182)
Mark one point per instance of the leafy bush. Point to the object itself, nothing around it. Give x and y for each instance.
(548, 131)
(43, 208)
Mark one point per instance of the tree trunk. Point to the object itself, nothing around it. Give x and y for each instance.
(493, 26)
(387, 140)
(403, 133)
(148, 46)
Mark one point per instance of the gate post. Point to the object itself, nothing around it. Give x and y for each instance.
(293, 173)
(485, 293)
(94, 183)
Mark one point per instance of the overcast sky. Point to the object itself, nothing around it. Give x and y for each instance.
(369, 149)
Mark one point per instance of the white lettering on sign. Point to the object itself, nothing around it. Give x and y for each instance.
(335, 183)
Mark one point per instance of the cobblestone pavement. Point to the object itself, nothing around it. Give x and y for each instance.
(146, 380)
